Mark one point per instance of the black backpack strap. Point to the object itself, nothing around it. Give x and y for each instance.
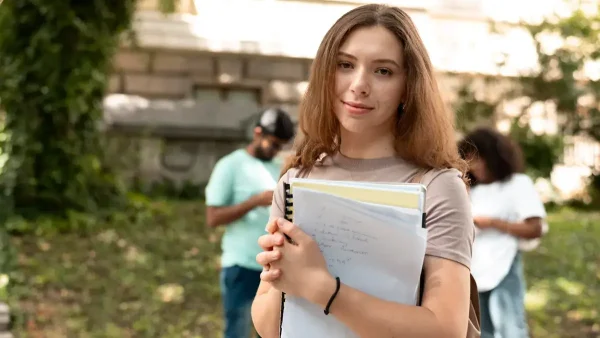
(418, 178)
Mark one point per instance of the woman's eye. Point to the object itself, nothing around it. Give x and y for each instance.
(344, 65)
(384, 71)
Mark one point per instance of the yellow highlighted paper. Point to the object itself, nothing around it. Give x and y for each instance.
(390, 197)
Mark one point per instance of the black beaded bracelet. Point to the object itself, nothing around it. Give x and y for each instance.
(337, 288)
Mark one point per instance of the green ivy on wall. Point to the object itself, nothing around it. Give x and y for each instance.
(55, 59)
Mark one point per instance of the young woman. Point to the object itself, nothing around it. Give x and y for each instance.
(507, 210)
(373, 112)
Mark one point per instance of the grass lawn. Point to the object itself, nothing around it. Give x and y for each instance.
(151, 279)
(159, 279)
(563, 277)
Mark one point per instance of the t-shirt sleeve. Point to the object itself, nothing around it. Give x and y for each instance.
(449, 219)
(278, 205)
(219, 190)
(528, 202)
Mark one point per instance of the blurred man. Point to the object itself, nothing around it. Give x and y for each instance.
(238, 196)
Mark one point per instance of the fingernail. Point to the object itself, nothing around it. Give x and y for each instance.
(280, 222)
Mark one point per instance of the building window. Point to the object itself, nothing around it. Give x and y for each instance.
(227, 107)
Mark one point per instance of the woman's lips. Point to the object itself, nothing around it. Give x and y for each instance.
(356, 108)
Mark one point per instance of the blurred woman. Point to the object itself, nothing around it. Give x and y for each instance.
(506, 210)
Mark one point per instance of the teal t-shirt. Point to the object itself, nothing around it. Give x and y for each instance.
(234, 179)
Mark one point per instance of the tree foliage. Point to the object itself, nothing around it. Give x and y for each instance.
(559, 81)
(561, 78)
(471, 110)
(167, 6)
(540, 151)
(55, 58)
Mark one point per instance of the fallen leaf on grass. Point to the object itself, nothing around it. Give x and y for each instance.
(574, 315)
(171, 293)
(43, 245)
(122, 243)
(134, 255)
(191, 253)
(107, 236)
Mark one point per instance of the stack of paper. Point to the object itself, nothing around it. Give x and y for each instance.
(372, 237)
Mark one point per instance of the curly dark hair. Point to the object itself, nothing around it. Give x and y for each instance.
(502, 156)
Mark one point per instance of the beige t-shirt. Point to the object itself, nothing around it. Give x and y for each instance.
(449, 220)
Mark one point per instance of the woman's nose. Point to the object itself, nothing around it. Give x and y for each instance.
(360, 83)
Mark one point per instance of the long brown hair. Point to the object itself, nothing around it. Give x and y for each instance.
(425, 133)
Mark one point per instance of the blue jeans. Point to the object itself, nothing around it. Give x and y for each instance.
(503, 308)
(238, 288)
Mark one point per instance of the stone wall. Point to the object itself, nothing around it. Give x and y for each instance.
(156, 160)
(177, 74)
(180, 111)
(184, 110)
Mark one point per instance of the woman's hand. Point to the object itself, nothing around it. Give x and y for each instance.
(268, 242)
(302, 267)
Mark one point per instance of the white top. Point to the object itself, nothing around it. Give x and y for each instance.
(494, 251)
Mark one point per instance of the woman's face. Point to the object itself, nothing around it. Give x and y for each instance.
(370, 80)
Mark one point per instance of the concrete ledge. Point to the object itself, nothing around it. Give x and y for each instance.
(179, 133)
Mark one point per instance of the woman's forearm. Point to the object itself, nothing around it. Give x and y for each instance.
(372, 317)
(528, 229)
(266, 311)
(442, 314)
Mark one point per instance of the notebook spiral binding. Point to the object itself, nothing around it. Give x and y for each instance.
(289, 215)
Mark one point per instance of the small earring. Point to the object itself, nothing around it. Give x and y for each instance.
(401, 109)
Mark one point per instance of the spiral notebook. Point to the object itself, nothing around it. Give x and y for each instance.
(410, 196)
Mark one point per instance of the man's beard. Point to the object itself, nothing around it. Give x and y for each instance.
(261, 154)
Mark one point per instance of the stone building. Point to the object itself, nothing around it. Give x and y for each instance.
(189, 88)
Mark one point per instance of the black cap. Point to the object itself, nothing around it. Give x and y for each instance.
(276, 122)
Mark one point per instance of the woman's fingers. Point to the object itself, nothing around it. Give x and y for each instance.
(267, 257)
(271, 226)
(270, 275)
(267, 242)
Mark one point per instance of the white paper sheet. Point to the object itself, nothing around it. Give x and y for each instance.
(376, 249)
